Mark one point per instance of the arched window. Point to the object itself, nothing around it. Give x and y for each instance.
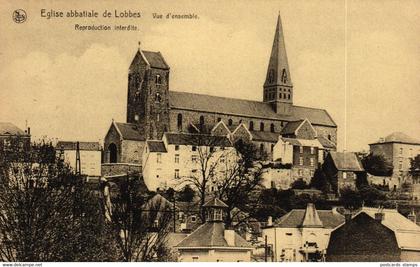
(219, 119)
(230, 122)
(201, 120)
(329, 137)
(262, 126)
(251, 125)
(112, 148)
(179, 122)
(261, 149)
(272, 128)
(158, 79)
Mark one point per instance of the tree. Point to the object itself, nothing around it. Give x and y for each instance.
(47, 212)
(320, 181)
(186, 194)
(299, 184)
(350, 199)
(139, 222)
(414, 170)
(377, 165)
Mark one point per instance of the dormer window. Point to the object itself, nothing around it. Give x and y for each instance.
(158, 80)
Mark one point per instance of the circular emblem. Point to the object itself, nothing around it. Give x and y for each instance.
(19, 16)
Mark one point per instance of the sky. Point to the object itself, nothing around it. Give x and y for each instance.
(359, 60)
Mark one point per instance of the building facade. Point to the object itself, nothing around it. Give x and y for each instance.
(12, 138)
(398, 149)
(155, 109)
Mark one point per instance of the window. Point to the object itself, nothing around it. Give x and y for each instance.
(195, 258)
(222, 159)
(280, 95)
(158, 117)
(272, 128)
(157, 176)
(158, 98)
(301, 149)
(193, 172)
(193, 218)
(179, 122)
(230, 122)
(201, 121)
(312, 150)
(261, 149)
(158, 79)
(194, 158)
(136, 117)
(176, 174)
(194, 148)
(344, 175)
(159, 157)
(400, 165)
(312, 173)
(300, 160)
(211, 149)
(329, 137)
(176, 147)
(251, 125)
(272, 148)
(176, 158)
(401, 150)
(282, 123)
(288, 96)
(312, 162)
(219, 119)
(300, 172)
(262, 126)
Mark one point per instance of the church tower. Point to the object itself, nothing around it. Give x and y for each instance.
(278, 88)
(148, 94)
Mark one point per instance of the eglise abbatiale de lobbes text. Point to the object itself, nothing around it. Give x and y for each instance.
(158, 117)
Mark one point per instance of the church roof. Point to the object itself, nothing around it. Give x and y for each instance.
(211, 234)
(346, 161)
(247, 108)
(71, 145)
(7, 128)
(399, 137)
(155, 59)
(325, 142)
(129, 131)
(197, 139)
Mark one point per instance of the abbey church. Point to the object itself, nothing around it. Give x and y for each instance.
(154, 110)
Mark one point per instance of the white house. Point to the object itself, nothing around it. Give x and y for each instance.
(172, 161)
(302, 235)
(90, 156)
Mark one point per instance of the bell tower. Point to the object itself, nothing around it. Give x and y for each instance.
(278, 87)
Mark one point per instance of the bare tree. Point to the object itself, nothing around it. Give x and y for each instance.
(140, 224)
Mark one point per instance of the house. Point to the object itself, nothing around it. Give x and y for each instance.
(12, 137)
(180, 157)
(302, 234)
(375, 234)
(342, 169)
(398, 149)
(153, 109)
(212, 242)
(90, 156)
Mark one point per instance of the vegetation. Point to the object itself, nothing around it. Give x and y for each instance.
(377, 165)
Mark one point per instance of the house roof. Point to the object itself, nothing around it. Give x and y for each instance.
(197, 139)
(302, 142)
(265, 136)
(398, 137)
(130, 131)
(215, 203)
(326, 143)
(295, 218)
(156, 146)
(311, 217)
(155, 59)
(72, 145)
(211, 235)
(346, 161)
(406, 231)
(241, 107)
(7, 128)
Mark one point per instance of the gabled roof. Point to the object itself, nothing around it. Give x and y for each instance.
(398, 137)
(156, 146)
(346, 161)
(295, 218)
(211, 235)
(155, 59)
(291, 127)
(129, 131)
(72, 145)
(265, 136)
(311, 217)
(249, 108)
(302, 142)
(215, 203)
(326, 143)
(197, 139)
(7, 128)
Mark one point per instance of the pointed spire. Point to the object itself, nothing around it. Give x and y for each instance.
(311, 218)
(278, 68)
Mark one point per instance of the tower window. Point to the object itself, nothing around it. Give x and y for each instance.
(158, 80)
(158, 97)
(230, 122)
(272, 128)
(251, 125)
(284, 95)
(288, 96)
(262, 126)
(280, 95)
(179, 122)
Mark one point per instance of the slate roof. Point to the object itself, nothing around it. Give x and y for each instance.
(265, 136)
(215, 203)
(346, 161)
(71, 145)
(295, 218)
(399, 137)
(197, 139)
(7, 128)
(156, 146)
(211, 235)
(241, 107)
(130, 131)
(155, 59)
(326, 143)
(311, 218)
(291, 127)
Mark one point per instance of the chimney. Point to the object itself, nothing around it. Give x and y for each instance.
(270, 221)
(379, 216)
(29, 130)
(412, 216)
(230, 237)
